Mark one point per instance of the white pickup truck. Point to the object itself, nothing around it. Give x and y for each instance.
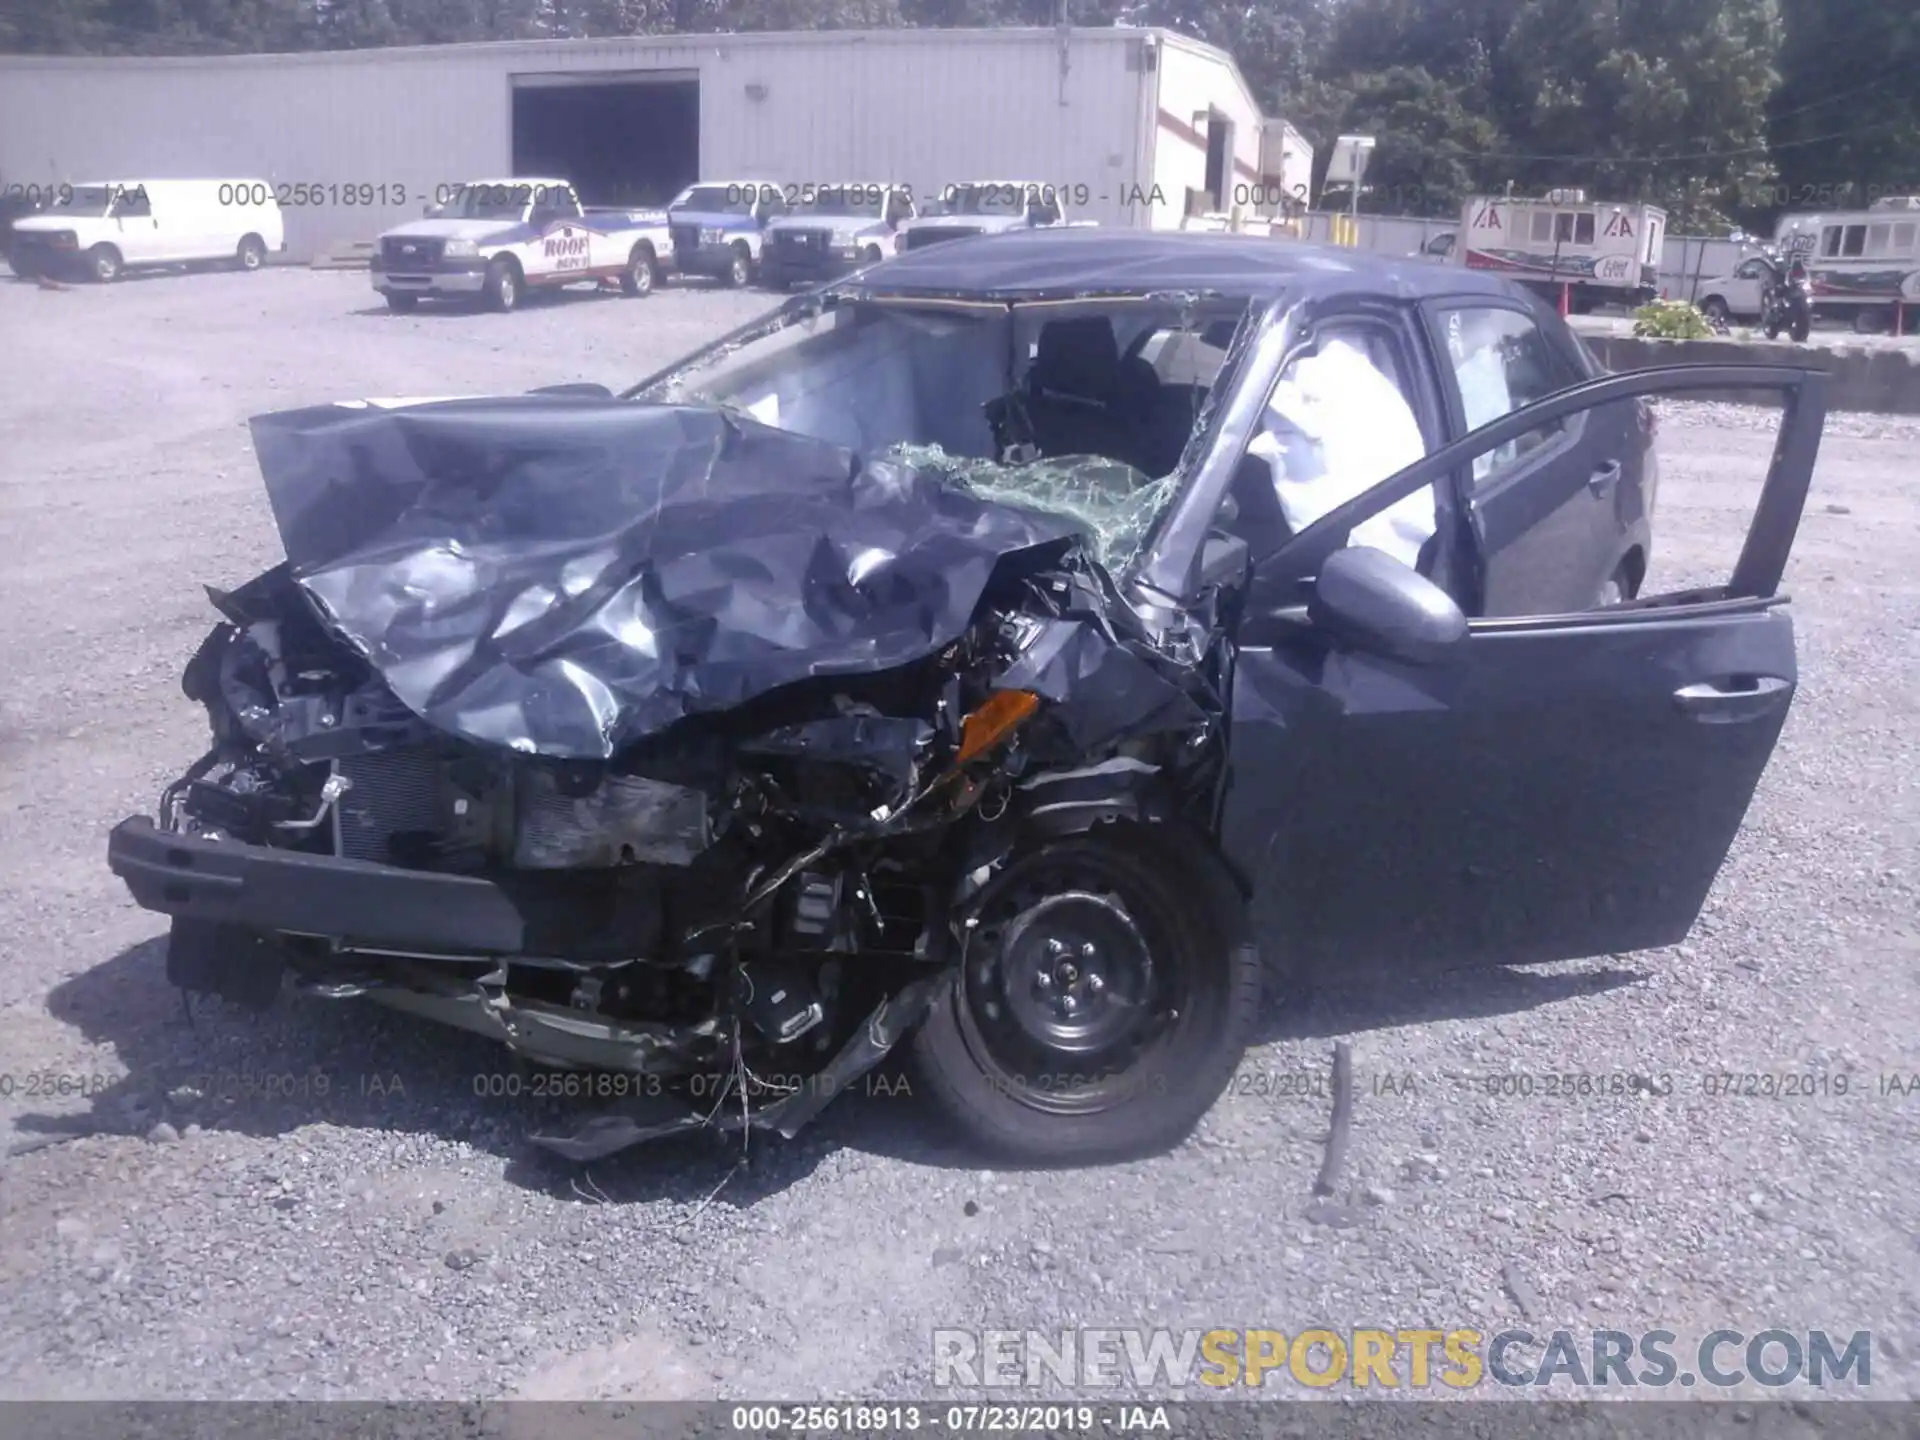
(985, 207)
(493, 240)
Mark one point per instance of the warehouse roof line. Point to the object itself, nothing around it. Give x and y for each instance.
(722, 42)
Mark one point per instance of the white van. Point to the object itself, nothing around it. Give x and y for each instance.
(101, 227)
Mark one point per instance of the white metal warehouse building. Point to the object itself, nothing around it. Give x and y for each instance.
(1148, 125)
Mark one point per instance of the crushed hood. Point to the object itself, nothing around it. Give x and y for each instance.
(565, 575)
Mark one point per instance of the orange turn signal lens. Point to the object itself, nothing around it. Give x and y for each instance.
(994, 721)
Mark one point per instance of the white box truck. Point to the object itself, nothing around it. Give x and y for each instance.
(1862, 263)
(1604, 252)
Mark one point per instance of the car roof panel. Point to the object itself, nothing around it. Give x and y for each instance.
(1055, 262)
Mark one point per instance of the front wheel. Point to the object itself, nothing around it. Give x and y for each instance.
(401, 304)
(1098, 1011)
(1773, 329)
(739, 268)
(1801, 328)
(502, 287)
(1715, 309)
(104, 263)
(252, 253)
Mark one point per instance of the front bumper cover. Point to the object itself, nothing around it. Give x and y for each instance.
(823, 264)
(711, 261)
(465, 275)
(357, 902)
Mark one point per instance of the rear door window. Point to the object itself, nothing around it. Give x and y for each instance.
(1498, 359)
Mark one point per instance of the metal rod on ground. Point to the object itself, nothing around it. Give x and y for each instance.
(1342, 1126)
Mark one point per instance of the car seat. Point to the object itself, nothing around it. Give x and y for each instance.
(1073, 390)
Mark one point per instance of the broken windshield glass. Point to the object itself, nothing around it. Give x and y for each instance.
(1112, 501)
(1075, 409)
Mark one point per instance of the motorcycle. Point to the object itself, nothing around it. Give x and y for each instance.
(1787, 304)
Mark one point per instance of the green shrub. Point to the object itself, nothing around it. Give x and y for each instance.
(1671, 320)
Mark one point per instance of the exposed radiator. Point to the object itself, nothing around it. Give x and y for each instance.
(392, 791)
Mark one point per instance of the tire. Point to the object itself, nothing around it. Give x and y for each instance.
(642, 273)
(1772, 329)
(1715, 308)
(23, 267)
(999, 1052)
(871, 255)
(103, 263)
(1624, 584)
(252, 253)
(502, 286)
(1800, 330)
(1868, 321)
(401, 304)
(740, 268)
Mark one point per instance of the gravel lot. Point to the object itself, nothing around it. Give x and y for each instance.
(394, 1237)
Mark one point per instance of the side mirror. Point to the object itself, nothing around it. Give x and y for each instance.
(1370, 600)
(431, 210)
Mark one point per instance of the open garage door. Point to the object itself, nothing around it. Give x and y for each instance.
(622, 137)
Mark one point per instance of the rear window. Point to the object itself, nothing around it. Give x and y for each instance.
(1186, 357)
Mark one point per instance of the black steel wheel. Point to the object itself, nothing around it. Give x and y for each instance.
(1098, 1011)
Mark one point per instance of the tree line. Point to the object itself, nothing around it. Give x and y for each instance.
(1725, 111)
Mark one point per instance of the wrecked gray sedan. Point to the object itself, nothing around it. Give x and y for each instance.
(1027, 649)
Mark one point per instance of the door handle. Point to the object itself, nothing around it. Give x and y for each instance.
(1603, 477)
(1740, 697)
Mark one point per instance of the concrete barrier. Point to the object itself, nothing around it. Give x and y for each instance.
(1878, 380)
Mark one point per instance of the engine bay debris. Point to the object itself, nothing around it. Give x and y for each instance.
(655, 739)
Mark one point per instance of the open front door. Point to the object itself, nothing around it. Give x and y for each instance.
(1543, 787)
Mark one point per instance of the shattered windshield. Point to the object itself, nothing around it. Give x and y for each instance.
(1114, 502)
(1083, 409)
